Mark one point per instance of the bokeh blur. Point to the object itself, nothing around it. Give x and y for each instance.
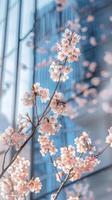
(29, 31)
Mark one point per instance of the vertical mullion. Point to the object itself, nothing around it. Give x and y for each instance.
(16, 70)
(4, 49)
(33, 80)
(17, 62)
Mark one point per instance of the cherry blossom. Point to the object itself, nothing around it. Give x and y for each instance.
(46, 146)
(92, 66)
(59, 72)
(106, 106)
(67, 47)
(12, 138)
(90, 18)
(83, 143)
(22, 122)
(71, 162)
(68, 157)
(15, 185)
(35, 185)
(105, 73)
(42, 92)
(28, 99)
(86, 63)
(90, 92)
(90, 163)
(58, 105)
(109, 137)
(93, 41)
(108, 57)
(74, 25)
(49, 125)
(80, 101)
(110, 18)
(81, 87)
(95, 81)
(59, 176)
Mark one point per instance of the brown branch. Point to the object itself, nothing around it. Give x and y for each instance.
(44, 112)
(62, 185)
(4, 158)
(102, 151)
(36, 110)
(17, 153)
(55, 168)
(29, 120)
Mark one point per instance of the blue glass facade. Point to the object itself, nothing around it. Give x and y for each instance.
(50, 25)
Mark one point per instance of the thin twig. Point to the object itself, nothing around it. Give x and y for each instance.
(36, 110)
(5, 154)
(50, 100)
(102, 151)
(29, 119)
(55, 168)
(47, 112)
(62, 185)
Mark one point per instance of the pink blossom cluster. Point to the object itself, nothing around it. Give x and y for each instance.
(28, 99)
(109, 137)
(77, 164)
(58, 105)
(37, 90)
(59, 72)
(42, 92)
(84, 143)
(108, 57)
(12, 138)
(49, 125)
(35, 185)
(46, 145)
(22, 122)
(15, 185)
(67, 47)
(90, 18)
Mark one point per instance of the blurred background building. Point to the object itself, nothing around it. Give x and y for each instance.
(29, 31)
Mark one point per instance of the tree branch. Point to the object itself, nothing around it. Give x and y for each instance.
(5, 154)
(62, 185)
